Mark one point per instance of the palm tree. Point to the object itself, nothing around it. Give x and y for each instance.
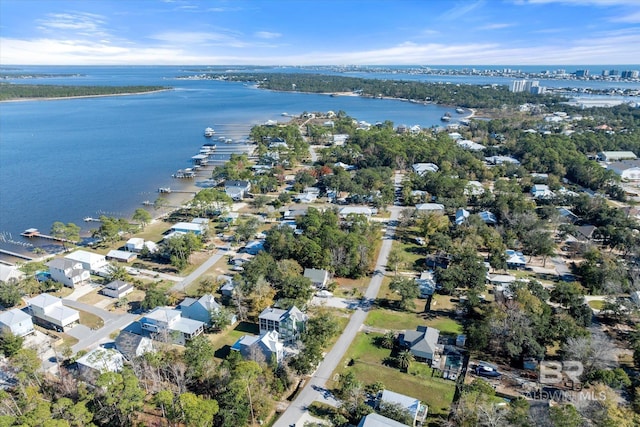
(388, 340)
(404, 359)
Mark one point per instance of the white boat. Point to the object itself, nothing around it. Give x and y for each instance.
(209, 132)
(446, 117)
(460, 110)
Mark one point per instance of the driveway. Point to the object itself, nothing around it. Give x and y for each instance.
(315, 388)
(335, 302)
(180, 286)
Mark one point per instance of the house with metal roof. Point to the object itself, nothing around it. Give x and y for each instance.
(614, 156)
(260, 348)
(17, 322)
(415, 407)
(167, 324)
(515, 259)
(133, 345)
(188, 227)
(237, 190)
(422, 343)
(376, 420)
(319, 277)
(121, 256)
(48, 311)
(423, 168)
(10, 273)
(90, 261)
(99, 361)
(288, 323)
(68, 272)
(200, 309)
(426, 208)
(117, 289)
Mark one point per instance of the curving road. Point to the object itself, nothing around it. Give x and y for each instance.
(315, 388)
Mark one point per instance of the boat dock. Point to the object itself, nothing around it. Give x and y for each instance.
(33, 232)
(17, 255)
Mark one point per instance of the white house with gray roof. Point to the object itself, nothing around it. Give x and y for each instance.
(17, 322)
(376, 420)
(93, 262)
(628, 170)
(68, 272)
(168, 324)
(423, 168)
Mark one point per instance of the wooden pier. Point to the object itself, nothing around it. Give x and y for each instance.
(33, 232)
(17, 255)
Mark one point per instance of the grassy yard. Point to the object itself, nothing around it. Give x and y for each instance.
(90, 320)
(598, 305)
(365, 359)
(223, 341)
(399, 320)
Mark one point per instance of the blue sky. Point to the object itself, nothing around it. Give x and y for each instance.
(319, 32)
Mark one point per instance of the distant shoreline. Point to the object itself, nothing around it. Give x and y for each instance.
(58, 98)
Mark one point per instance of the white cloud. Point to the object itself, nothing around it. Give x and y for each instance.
(461, 9)
(602, 3)
(78, 23)
(496, 26)
(632, 18)
(267, 35)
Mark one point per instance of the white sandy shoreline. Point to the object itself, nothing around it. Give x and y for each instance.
(58, 98)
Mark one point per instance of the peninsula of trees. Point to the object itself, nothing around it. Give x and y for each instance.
(9, 92)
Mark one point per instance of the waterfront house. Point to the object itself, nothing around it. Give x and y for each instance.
(17, 322)
(189, 227)
(137, 244)
(133, 345)
(237, 190)
(10, 273)
(93, 262)
(416, 408)
(48, 311)
(422, 343)
(121, 256)
(99, 361)
(376, 420)
(69, 273)
(168, 325)
(260, 348)
(117, 289)
(288, 323)
(319, 277)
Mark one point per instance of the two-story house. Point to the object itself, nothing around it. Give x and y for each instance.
(16, 322)
(68, 272)
(168, 325)
(288, 323)
(48, 311)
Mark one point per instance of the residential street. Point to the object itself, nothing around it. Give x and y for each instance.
(315, 387)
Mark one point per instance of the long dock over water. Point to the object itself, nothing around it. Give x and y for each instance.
(17, 255)
(33, 232)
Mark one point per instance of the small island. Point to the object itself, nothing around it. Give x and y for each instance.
(16, 92)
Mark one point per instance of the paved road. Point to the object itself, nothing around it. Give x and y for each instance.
(180, 286)
(88, 338)
(315, 388)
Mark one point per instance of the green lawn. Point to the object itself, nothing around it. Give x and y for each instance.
(399, 320)
(222, 341)
(365, 359)
(598, 305)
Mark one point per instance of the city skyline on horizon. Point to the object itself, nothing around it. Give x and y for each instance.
(300, 33)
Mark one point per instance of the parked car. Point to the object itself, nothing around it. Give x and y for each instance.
(486, 371)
